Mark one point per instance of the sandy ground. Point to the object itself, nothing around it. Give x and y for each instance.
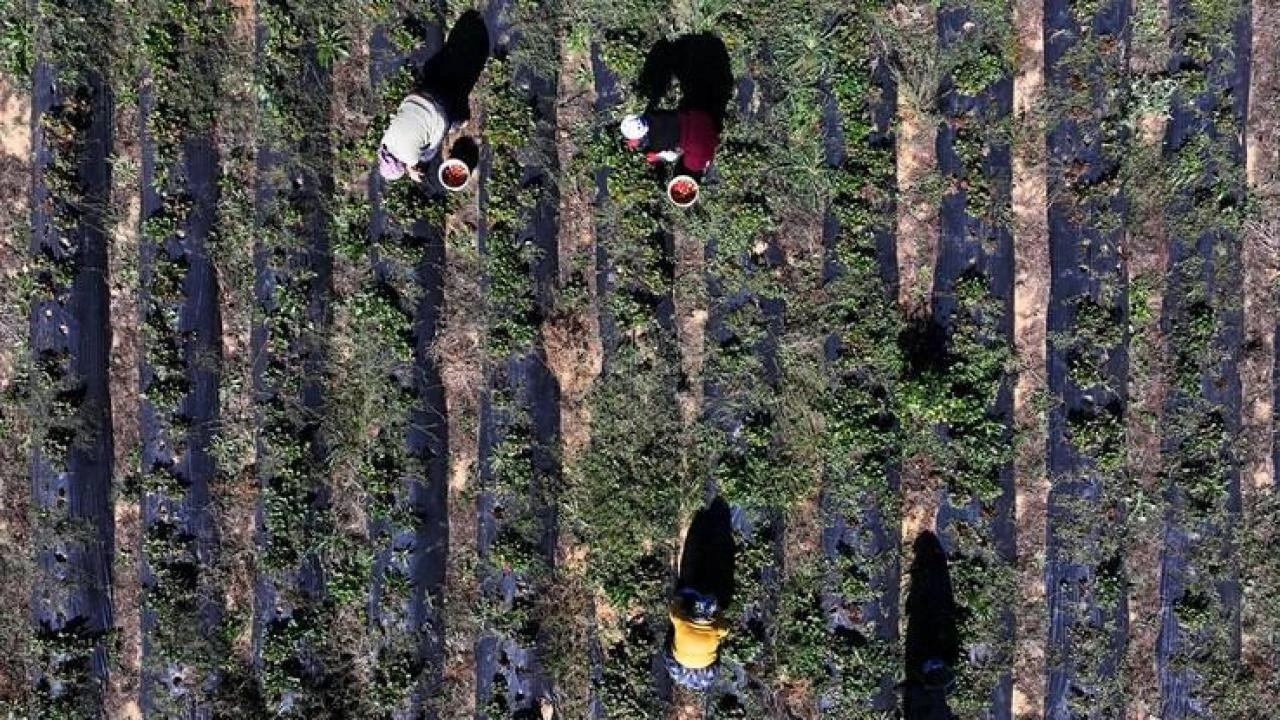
(15, 179)
(917, 209)
(1030, 302)
(1262, 245)
(1261, 278)
(122, 281)
(571, 339)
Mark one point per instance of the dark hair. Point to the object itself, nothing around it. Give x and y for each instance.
(696, 606)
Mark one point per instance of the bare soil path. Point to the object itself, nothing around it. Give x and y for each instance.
(1257, 365)
(914, 27)
(571, 341)
(1262, 248)
(122, 255)
(1146, 255)
(235, 494)
(459, 350)
(1030, 303)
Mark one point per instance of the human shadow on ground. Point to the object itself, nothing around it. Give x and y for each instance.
(451, 74)
(707, 561)
(467, 150)
(933, 645)
(700, 64)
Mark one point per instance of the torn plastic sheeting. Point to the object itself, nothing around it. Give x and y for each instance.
(506, 670)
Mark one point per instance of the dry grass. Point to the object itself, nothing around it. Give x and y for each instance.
(15, 532)
(565, 613)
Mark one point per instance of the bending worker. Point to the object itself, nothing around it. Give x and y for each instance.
(413, 138)
(688, 136)
(438, 103)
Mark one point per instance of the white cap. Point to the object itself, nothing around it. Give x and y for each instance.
(634, 127)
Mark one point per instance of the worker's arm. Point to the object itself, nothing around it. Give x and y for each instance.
(662, 156)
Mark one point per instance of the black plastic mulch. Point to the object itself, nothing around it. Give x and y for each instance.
(1088, 276)
(973, 246)
(70, 341)
(1205, 278)
(424, 490)
(167, 447)
(509, 672)
(871, 534)
(298, 176)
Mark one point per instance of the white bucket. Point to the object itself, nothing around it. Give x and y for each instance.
(681, 180)
(445, 168)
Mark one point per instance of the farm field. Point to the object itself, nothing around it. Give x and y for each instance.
(279, 438)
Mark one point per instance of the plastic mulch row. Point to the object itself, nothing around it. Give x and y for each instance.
(178, 412)
(861, 535)
(71, 465)
(1087, 360)
(408, 515)
(741, 380)
(519, 416)
(972, 311)
(635, 287)
(1199, 584)
(293, 291)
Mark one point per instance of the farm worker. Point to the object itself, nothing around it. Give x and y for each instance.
(413, 137)
(697, 632)
(689, 136)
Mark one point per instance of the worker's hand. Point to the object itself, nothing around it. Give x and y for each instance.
(415, 174)
(632, 144)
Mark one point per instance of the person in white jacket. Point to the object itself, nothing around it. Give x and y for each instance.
(412, 138)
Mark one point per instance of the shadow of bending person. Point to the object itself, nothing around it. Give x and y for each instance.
(932, 646)
(700, 64)
(707, 561)
(450, 75)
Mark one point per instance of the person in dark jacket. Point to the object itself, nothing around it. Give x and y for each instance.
(689, 137)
